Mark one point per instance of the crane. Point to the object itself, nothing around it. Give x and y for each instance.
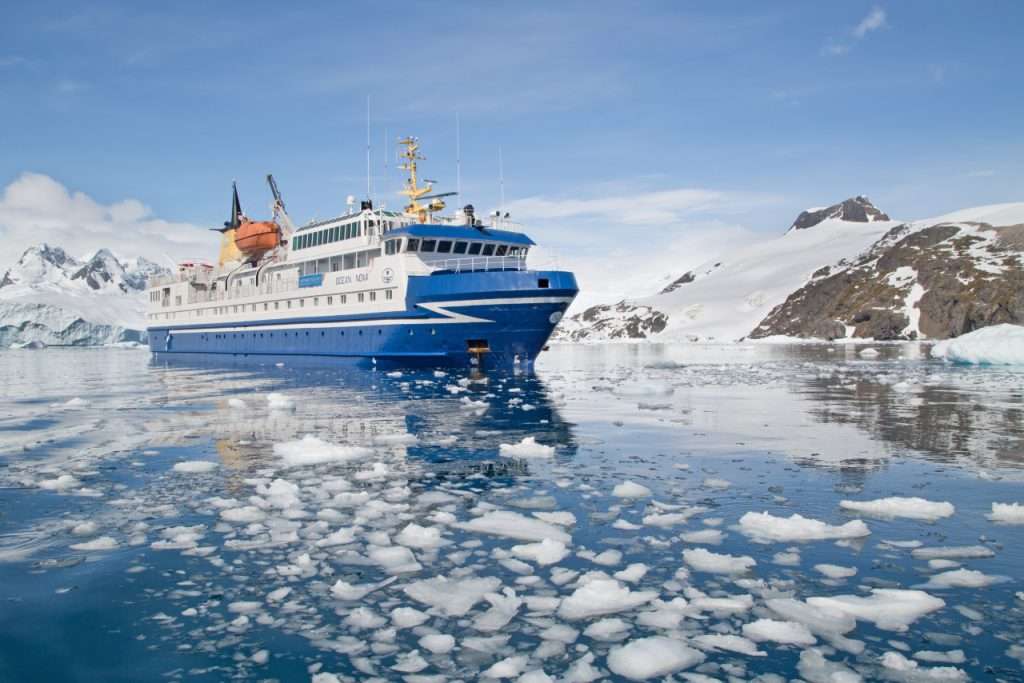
(278, 208)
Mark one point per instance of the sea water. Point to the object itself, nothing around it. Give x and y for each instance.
(624, 512)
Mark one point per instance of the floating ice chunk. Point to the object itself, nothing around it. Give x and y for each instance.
(452, 597)
(510, 667)
(814, 668)
(514, 525)
(709, 536)
(716, 483)
(608, 558)
(963, 578)
(994, 345)
(609, 629)
(909, 508)
(397, 439)
(644, 390)
(597, 597)
(246, 514)
(407, 617)
(309, 450)
(62, 483)
(279, 594)
(827, 622)
(731, 604)
(395, 559)
(890, 609)
(630, 489)
(950, 657)
(559, 517)
(909, 670)
(582, 670)
(563, 633)
(343, 590)
(652, 657)
(668, 519)
(535, 676)
(632, 573)
(764, 527)
(714, 563)
(260, 657)
(786, 632)
(834, 571)
(1007, 513)
(729, 643)
(624, 525)
(364, 617)
(422, 537)
(277, 401)
(964, 552)
(98, 543)
(527, 448)
(245, 606)
(438, 643)
(85, 529)
(195, 466)
(75, 403)
(325, 678)
(342, 536)
(868, 353)
(236, 403)
(786, 559)
(504, 607)
(410, 663)
(543, 553)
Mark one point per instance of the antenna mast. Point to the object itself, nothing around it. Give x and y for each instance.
(458, 156)
(501, 178)
(368, 192)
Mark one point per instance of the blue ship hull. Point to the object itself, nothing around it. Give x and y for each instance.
(453, 319)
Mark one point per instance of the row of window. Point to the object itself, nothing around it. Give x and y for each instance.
(424, 246)
(338, 299)
(323, 333)
(346, 231)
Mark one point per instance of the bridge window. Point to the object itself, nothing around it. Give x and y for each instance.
(474, 248)
(488, 250)
(501, 250)
(459, 248)
(428, 245)
(412, 245)
(391, 247)
(444, 246)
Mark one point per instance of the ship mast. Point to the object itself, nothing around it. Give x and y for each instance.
(412, 189)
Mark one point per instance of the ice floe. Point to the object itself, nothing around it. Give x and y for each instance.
(890, 609)
(527, 448)
(652, 657)
(310, 450)
(908, 508)
(785, 632)
(514, 525)
(1007, 513)
(630, 489)
(765, 528)
(706, 561)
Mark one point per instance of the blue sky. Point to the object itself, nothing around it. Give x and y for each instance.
(708, 118)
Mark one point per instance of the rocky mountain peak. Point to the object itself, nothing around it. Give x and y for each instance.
(857, 209)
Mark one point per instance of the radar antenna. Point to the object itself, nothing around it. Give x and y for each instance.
(412, 188)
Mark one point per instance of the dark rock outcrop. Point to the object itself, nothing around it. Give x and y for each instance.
(951, 278)
(617, 321)
(857, 209)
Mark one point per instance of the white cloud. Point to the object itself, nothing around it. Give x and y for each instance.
(872, 22)
(35, 208)
(876, 19)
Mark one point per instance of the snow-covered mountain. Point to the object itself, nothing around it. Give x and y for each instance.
(842, 271)
(49, 297)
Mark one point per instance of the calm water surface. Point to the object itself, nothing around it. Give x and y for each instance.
(304, 522)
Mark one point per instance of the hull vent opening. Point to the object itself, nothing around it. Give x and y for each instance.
(543, 283)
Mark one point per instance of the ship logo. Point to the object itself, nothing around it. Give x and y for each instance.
(387, 275)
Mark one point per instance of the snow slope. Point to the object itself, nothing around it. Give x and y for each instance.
(728, 297)
(52, 298)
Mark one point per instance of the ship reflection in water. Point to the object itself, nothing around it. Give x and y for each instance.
(206, 521)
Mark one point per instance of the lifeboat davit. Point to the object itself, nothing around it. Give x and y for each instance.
(255, 238)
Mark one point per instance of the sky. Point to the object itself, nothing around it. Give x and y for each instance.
(637, 140)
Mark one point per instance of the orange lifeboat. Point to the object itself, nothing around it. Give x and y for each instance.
(255, 238)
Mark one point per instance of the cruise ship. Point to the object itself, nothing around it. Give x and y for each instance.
(407, 288)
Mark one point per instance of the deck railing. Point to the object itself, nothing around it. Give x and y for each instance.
(472, 264)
